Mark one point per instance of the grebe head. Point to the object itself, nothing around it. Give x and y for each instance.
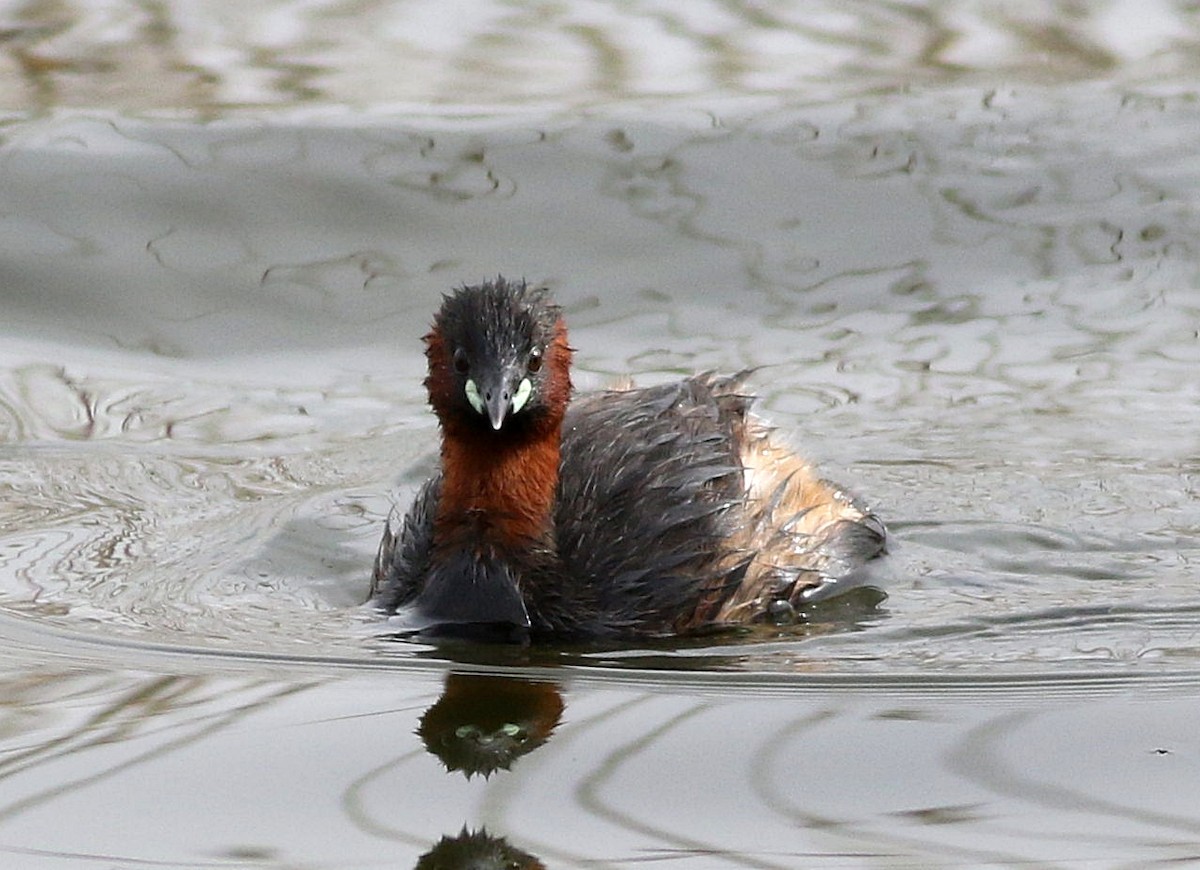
(498, 358)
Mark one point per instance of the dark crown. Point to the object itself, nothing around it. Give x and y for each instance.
(497, 315)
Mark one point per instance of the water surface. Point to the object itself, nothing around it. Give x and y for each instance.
(973, 300)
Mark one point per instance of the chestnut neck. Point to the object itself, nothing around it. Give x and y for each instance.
(499, 488)
(498, 492)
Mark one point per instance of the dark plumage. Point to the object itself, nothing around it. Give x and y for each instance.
(637, 512)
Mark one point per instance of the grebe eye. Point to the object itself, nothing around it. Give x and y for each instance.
(535, 361)
(461, 364)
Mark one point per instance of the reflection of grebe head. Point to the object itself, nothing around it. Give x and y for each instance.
(483, 723)
(477, 851)
(498, 358)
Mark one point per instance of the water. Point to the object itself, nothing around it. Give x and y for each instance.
(974, 300)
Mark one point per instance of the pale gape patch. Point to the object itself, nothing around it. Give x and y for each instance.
(524, 391)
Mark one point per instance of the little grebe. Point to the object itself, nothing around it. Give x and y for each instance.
(632, 512)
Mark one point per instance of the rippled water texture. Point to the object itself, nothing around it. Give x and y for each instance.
(961, 244)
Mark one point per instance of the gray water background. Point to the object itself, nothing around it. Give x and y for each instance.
(960, 241)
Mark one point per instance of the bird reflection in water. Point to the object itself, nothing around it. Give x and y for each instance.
(479, 725)
(483, 723)
(477, 851)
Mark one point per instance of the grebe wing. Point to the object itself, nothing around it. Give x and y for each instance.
(405, 553)
(648, 498)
